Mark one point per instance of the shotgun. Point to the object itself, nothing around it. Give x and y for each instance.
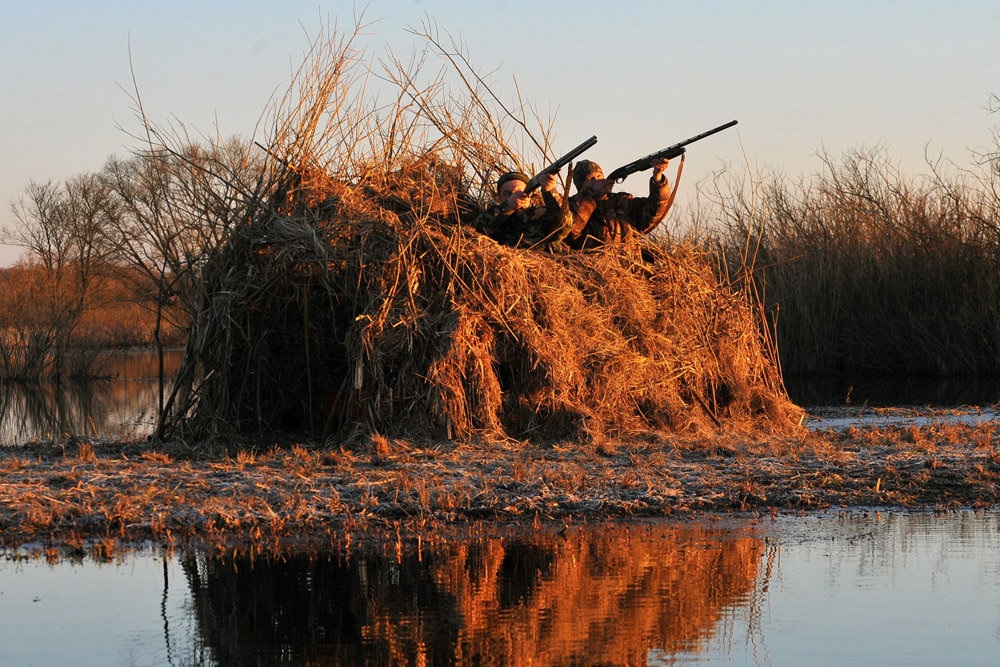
(668, 153)
(561, 162)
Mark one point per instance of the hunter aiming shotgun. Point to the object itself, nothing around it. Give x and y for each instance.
(668, 153)
(561, 162)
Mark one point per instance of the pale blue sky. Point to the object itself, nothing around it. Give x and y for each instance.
(799, 76)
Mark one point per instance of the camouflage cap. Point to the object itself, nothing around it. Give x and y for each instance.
(512, 176)
(585, 170)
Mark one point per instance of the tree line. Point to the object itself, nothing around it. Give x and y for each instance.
(112, 258)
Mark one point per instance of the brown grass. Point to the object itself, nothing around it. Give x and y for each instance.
(39, 341)
(298, 496)
(870, 270)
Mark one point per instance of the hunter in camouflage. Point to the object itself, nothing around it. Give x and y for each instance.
(601, 216)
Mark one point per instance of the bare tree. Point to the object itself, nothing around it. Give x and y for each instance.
(174, 210)
(62, 229)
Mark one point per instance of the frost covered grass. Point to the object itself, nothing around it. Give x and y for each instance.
(299, 495)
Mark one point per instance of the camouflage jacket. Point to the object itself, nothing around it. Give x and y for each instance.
(608, 219)
(543, 224)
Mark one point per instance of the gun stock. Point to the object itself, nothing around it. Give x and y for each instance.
(560, 163)
(668, 153)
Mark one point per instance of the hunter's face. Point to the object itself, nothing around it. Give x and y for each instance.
(510, 187)
(512, 194)
(599, 186)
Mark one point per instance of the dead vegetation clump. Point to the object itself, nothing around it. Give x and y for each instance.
(354, 298)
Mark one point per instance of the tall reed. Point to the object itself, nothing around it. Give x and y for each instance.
(868, 270)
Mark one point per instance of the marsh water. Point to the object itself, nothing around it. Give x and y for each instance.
(854, 588)
(837, 588)
(122, 402)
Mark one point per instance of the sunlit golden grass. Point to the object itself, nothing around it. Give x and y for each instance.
(353, 298)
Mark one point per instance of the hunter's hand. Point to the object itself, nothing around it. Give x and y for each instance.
(659, 168)
(518, 200)
(548, 182)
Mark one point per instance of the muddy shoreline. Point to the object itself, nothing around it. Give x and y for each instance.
(64, 496)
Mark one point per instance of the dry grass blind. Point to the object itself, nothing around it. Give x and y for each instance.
(352, 295)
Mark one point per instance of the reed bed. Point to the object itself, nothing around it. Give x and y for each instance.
(281, 498)
(869, 270)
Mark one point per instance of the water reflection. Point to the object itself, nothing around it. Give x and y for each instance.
(851, 588)
(125, 404)
(885, 588)
(594, 596)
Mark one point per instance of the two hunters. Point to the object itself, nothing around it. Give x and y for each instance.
(593, 216)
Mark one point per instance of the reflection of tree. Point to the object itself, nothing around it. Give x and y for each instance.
(23, 407)
(605, 596)
(43, 410)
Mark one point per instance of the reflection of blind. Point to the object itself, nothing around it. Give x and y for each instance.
(612, 593)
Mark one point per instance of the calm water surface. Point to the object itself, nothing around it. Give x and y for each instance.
(834, 589)
(124, 405)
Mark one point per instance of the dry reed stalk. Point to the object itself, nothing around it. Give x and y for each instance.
(309, 497)
(876, 271)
